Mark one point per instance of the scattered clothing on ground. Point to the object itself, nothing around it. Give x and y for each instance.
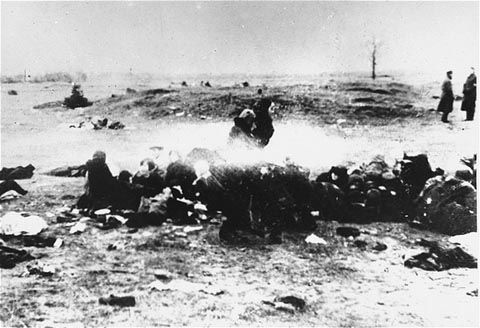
(17, 173)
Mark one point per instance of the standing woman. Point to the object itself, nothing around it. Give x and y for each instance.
(470, 95)
(446, 100)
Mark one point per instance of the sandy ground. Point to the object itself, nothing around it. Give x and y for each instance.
(342, 285)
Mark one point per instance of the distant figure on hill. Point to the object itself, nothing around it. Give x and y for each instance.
(263, 130)
(470, 95)
(446, 100)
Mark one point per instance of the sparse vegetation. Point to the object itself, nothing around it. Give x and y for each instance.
(48, 77)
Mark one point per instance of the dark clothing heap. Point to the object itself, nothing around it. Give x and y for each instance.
(11, 185)
(448, 205)
(440, 258)
(446, 99)
(69, 171)
(469, 96)
(17, 173)
(9, 257)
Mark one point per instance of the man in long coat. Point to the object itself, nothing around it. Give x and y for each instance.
(470, 95)
(446, 100)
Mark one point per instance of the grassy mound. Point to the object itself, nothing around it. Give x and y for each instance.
(353, 101)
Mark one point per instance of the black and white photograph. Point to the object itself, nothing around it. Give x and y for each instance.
(239, 164)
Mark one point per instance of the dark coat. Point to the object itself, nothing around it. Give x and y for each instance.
(263, 130)
(469, 93)
(152, 182)
(446, 100)
(100, 188)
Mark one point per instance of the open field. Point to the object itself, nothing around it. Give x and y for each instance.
(317, 125)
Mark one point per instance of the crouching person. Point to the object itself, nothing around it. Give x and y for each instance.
(100, 185)
(224, 189)
(102, 190)
(150, 177)
(241, 132)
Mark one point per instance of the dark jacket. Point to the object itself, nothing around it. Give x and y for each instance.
(100, 180)
(446, 100)
(152, 182)
(263, 130)
(469, 93)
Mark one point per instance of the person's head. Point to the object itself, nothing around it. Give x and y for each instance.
(449, 74)
(99, 156)
(473, 69)
(259, 91)
(248, 116)
(146, 165)
(124, 176)
(149, 163)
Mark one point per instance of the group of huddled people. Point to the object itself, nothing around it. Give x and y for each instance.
(266, 199)
(254, 126)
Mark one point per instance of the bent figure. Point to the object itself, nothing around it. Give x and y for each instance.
(100, 185)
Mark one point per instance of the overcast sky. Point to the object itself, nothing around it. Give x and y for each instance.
(236, 37)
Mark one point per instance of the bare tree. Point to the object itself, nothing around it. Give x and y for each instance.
(374, 45)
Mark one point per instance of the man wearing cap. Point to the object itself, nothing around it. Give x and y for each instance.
(470, 95)
(446, 100)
